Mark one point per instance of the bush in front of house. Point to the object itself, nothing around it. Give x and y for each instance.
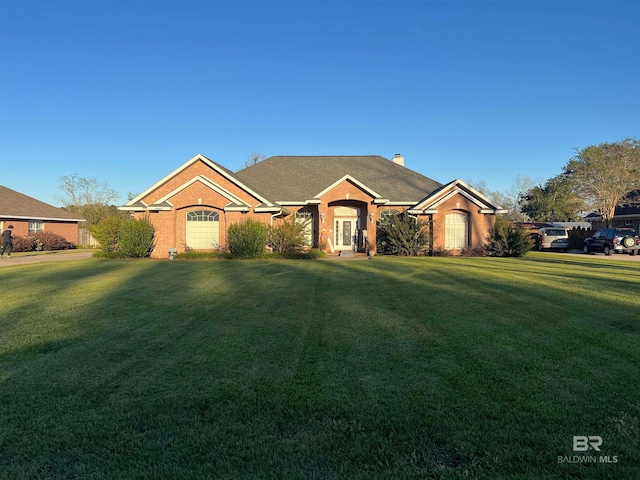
(124, 238)
(106, 232)
(402, 235)
(23, 244)
(247, 239)
(51, 241)
(507, 241)
(41, 241)
(288, 236)
(136, 238)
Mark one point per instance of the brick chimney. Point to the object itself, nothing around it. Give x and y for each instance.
(399, 159)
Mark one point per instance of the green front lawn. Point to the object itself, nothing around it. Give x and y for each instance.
(393, 368)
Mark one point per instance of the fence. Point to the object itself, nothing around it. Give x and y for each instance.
(86, 239)
(577, 236)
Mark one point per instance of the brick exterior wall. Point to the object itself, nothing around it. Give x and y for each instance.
(479, 224)
(68, 230)
(171, 225)
(618, 223)
(347, 194)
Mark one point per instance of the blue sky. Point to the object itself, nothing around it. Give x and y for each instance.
(127, 91)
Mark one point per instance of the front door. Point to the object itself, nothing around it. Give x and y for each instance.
(346, 233)
(346, 228)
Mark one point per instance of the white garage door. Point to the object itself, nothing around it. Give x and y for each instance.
(203, 230)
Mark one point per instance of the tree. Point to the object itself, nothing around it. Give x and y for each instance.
(553, 201)
(79, 190)
(88, 198)
(604, 174)
(252, 159)
(509, 199)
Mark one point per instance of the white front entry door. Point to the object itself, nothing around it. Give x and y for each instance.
(346, 228)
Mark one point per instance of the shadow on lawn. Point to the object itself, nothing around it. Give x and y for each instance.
(588, 262)
(328, 369)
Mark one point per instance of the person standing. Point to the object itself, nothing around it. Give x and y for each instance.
(7, 242)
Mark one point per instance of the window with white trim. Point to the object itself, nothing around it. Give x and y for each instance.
(203, 230)
(306, 217)
(387, 214)
(35, 226)
(455, 231)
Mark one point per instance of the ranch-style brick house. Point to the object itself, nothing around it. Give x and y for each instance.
(341, 198)
(29, 216)
(626, 215)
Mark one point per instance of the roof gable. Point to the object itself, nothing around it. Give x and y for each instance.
(233, 199)
(135, 202)
(20, 206)
(457, 187)
(348, 178)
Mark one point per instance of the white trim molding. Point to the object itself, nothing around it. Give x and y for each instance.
(430, 203)
(8, 217)
(212, 165)
(349, 178)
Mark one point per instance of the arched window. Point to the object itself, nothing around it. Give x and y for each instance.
(306, 217)
(203, 230)
(455, 231)
(387, 214)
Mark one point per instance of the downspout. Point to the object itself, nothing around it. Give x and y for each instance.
(271, 223)
(275, 215)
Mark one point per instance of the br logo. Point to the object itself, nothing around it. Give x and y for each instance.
(582, 443)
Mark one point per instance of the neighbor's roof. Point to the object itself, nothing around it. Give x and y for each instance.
(19, 206)
(629, 207)
(300, 178)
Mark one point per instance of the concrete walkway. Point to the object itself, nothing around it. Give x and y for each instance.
(26, 259)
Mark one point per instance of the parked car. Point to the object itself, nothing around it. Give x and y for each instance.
(621, 240)
(552, 238)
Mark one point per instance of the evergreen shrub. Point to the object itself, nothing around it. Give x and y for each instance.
(288, 236)
(247, 239)
(402, 235)
(508, 241)
(106, 232)
(135, 238)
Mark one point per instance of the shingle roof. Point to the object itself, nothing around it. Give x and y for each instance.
(17, 205)
(630, 205)
(295, 178)
(631, 210)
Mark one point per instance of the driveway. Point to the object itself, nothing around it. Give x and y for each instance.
(613, 256)
(25, 259)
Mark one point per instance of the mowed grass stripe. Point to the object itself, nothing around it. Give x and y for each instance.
(390, 368)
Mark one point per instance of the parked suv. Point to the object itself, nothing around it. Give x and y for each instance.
(552, 238)
(621, 240)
